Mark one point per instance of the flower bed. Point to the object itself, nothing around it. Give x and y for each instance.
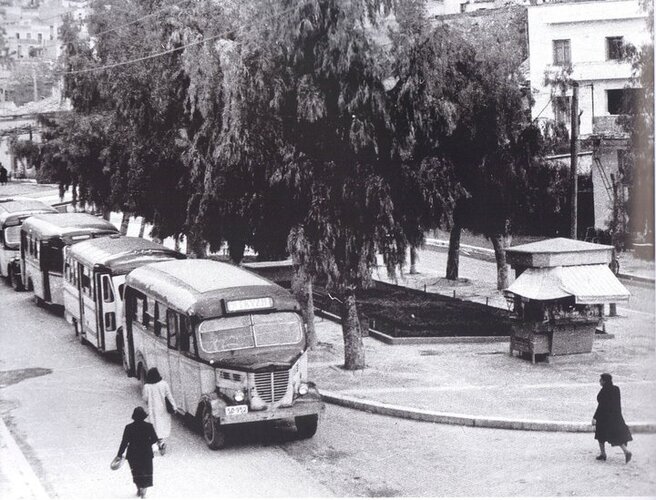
(404, 312)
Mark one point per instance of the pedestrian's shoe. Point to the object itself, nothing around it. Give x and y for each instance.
(627, 457)
(602, 457)
(162, 449)
(143, 492)
(139, 492)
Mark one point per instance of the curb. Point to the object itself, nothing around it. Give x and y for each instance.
(637, 279)
(468, 420)
(19, 473)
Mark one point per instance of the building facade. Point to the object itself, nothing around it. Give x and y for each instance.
(585, 42)
(587, 38)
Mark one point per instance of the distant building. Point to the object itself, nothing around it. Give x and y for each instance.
(588, 40)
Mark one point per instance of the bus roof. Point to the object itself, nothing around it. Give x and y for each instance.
(121, 254)
(67, 224)
(200, 286)
(13, 209)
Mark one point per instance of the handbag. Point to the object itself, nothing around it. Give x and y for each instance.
(116, 463)
(169, 406)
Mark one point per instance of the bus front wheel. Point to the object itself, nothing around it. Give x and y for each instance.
(212, 432)
(306, 426)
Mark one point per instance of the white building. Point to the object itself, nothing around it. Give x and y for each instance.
(588, 37)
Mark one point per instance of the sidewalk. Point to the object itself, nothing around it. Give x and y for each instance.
(480, 384)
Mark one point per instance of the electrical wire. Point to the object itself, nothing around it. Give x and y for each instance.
(545, 107)
(152, 14)
(175, 49)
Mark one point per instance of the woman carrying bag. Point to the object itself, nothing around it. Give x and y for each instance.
(138, 439)
(156, 392)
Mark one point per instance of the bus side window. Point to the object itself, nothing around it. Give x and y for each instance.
(160, 321)
(139, 311)
(172, 321)
(86, 281)
(187, 339)
(149, 313)
(107, 293)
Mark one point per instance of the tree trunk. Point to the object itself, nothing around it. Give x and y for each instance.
(413, 259)
(500, 242)
(453, 259)
(142, 227)
(105, 213)
(236, 249)
(196, 245)
(176, 244)
(302, 290)
(353, 346)
(125, 222)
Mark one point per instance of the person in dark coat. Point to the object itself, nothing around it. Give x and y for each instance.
(138, 439)
(3, 174)
(608, 421)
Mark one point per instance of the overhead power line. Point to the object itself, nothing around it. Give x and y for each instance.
(152, 14)
(175, 49)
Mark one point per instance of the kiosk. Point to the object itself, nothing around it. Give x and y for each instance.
(558, 295)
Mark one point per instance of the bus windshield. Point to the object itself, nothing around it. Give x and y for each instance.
(52, 257)
(244, 332)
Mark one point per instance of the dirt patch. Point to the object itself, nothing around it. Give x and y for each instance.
(404, 312)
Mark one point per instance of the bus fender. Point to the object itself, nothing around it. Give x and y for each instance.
(215, 402)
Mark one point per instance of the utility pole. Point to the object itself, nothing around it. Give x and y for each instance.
(574, 151)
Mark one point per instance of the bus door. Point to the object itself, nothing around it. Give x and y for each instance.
(105, 312)
(88, 324)
(160, 350)
(190, 367)
(175, 378)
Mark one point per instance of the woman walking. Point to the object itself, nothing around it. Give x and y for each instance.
(155, 392)
(139, 438)
(608, 421)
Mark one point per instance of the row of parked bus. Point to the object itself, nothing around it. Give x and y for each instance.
(231, 344)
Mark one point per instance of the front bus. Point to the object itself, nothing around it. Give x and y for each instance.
(231, 345)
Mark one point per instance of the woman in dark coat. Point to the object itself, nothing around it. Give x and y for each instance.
(138, 438)
(608, 421)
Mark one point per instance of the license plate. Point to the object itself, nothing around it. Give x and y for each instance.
(236, 410)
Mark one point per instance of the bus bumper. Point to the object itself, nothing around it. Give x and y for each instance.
(301, 407)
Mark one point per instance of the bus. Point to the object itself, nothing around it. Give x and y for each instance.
(43, 238)
(13, 211)
(232, 345)
(94, 273)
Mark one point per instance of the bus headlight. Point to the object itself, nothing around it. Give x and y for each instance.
(303, 389)
(239, 396)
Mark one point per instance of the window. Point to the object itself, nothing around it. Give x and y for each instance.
(40, 37)
(85, 283)
(614, 48)
(107, 292)
(160, 321)
(622, 101)
(561, 53)
(17, 36)
(149, 313)
(172, 320)
(138, 308)
(562, 106)
(187, 339)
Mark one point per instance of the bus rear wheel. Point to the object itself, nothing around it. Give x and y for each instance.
(212, 432)
(306, 426)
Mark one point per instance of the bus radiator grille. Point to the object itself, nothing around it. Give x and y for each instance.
(272, 386)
